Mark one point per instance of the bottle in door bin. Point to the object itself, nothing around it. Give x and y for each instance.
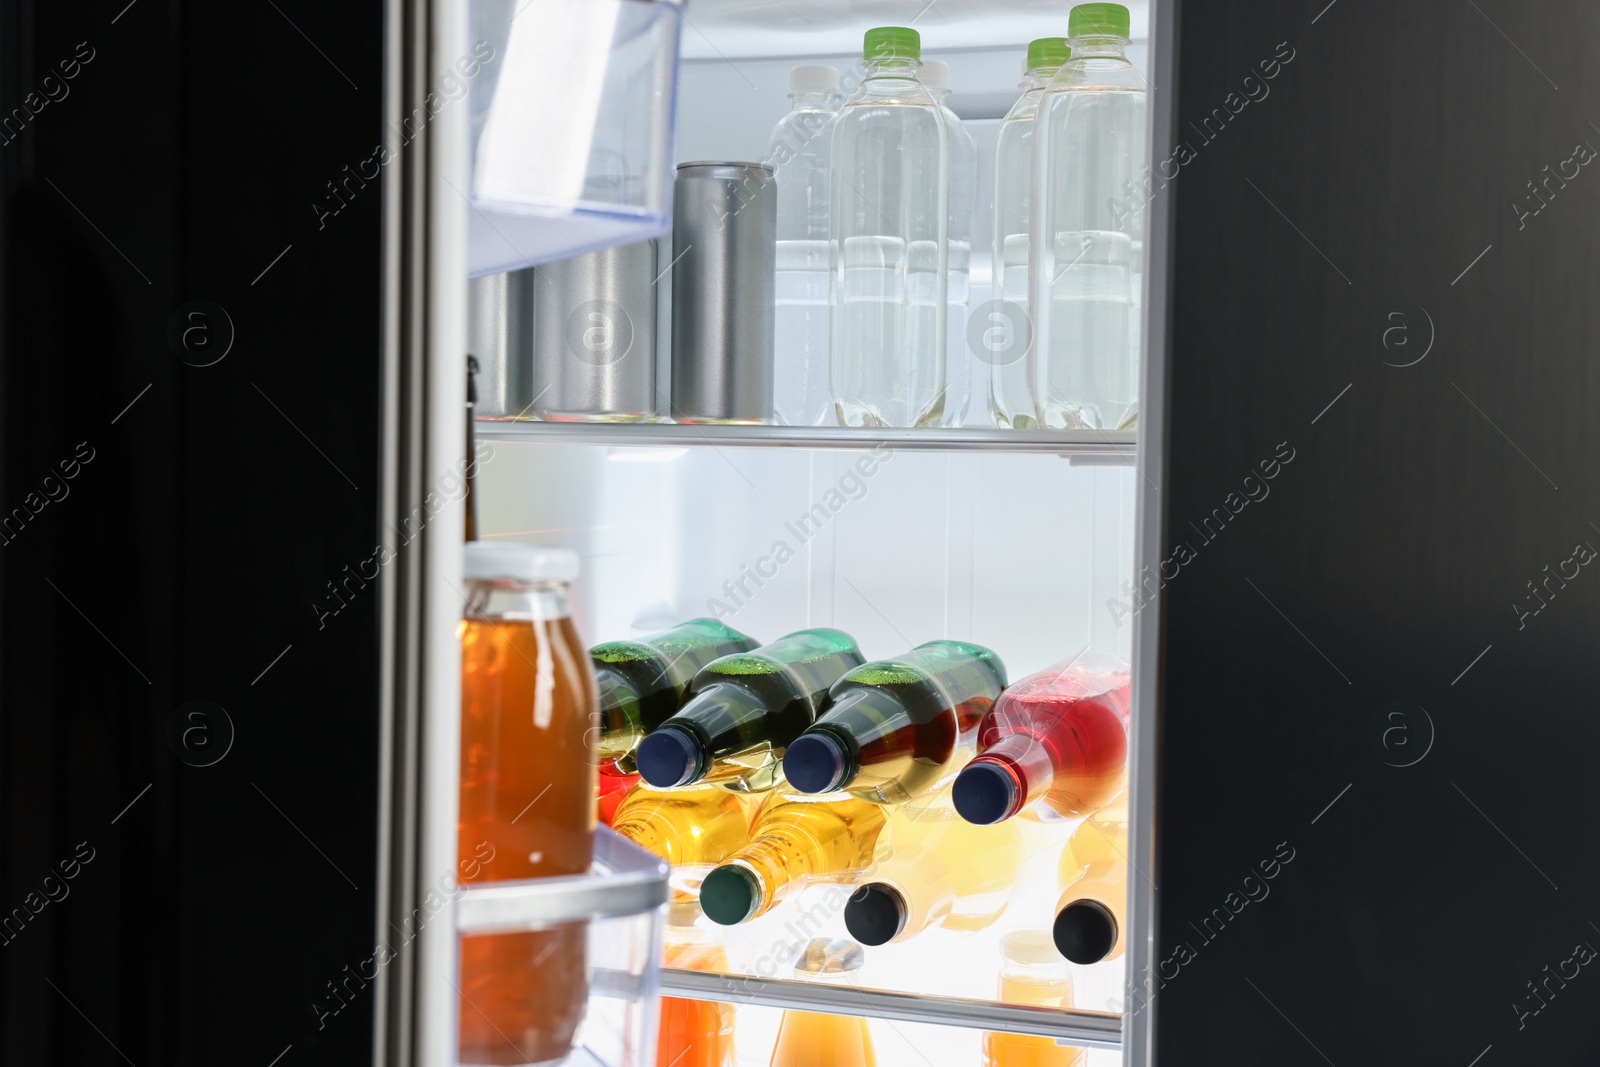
(743, 709)
(527, 792)
(694, 1033)
(642, 682)
(811, 1039)
(941, 871)
(1031, 974)
(1060, 735)
(796, 839)
(696, 826)
(892, 726)
(1093, 873)
(1010, 396)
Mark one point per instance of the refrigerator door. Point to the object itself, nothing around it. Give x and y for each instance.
(1373, 709)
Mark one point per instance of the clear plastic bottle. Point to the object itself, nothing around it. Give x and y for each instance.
(959, 365)
(888, 238)
(1010, 399)
(800, 152)
(1093, 873)
(1089, 155)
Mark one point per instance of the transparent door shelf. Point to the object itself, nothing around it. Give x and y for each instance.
(1115, 447)
(620, 901)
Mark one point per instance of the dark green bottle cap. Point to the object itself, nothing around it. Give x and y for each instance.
(729, 895)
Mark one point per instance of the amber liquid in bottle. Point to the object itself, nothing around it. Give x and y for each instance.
(1031, 974)
(812, 1039)
(527, 793)
(693, 1033)
(690, 827)
(1093, 874)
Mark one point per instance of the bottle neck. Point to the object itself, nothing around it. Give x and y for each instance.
(891, 67)
(508, 599)
(1039, 77)
(1027, 762)
(818, 101)
(1098, 47)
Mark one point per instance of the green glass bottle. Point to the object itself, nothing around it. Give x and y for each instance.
(743, 709)
(643, 682)
(894, 727)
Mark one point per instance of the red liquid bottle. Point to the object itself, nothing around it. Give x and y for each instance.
(1060, 735)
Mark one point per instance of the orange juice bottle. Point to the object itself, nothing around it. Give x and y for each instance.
(1031, 973)
(697, 826)
(812, 1039)
(694, 1033)
(527, 795)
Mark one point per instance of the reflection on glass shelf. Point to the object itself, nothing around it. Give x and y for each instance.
(1099, 446)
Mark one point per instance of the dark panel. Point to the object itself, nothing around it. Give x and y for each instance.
(1357, 672)
(210, 491)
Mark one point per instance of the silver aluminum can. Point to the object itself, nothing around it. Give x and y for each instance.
(594, 347)
(724, 247)
(499, 333)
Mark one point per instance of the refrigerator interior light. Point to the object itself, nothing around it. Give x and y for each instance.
(532, 150)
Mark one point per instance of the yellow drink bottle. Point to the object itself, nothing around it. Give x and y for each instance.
(812, 1039)
(1031, 974)
(1093, 873)
(940, 870)
(694, 1033)
(695, 827)
(795, 838)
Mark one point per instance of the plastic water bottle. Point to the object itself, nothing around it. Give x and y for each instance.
(889, 205)
(800, 151)
(959, 366)
(1089, 155)
(1010, 398)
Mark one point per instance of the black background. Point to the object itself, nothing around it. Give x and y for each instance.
(1391, 550)
(187, 556)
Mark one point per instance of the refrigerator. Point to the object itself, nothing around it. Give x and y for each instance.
(238, 251)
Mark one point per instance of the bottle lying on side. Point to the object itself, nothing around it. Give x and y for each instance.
(643, 682)
(1089, 922)
(796, 839)
(893, 727)
(1060, 735)
(940, 871)
(742, 710)
(695, 827)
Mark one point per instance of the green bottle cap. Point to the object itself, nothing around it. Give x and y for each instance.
(1098, 20)
(902, 42)
(1048, 52)
(729, 895)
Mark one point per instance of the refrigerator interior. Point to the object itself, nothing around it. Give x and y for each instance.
(1029, 553)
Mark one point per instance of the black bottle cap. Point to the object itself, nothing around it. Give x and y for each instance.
(1085, 931)
(668, 758)
(983, 793)
(729, 895)
(814, 763)
(875, 914)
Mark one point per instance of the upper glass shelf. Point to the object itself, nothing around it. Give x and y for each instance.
(1109, 447)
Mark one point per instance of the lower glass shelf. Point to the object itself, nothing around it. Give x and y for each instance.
(1087, 1029)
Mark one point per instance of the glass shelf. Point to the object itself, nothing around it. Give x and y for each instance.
(1094, 447)
(1084, 1029)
